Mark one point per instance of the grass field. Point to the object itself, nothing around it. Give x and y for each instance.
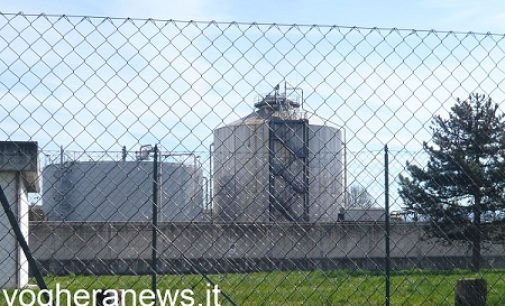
(419, 287)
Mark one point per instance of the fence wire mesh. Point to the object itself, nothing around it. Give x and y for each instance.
(183, 154)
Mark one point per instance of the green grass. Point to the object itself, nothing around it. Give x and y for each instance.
(413, 287)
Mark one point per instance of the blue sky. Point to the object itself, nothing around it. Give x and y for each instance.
(115, 88)
(464, 15)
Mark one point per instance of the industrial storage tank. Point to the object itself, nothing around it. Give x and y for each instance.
(110, 191)
(278, 164)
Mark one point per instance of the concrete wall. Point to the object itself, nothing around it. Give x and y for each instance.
(101, 248)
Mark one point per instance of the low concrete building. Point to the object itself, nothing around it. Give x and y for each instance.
(18, 176)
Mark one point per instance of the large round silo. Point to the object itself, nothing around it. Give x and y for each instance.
(108, 191)
(277, 164)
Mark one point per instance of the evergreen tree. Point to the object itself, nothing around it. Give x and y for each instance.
(464, 177)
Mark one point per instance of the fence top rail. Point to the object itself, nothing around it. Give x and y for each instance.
(245, 23)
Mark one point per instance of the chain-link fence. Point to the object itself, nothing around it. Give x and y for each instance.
(184, 155)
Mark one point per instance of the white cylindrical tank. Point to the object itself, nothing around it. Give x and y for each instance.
(277, 164)
(109, 191)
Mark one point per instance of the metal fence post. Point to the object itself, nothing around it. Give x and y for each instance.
(155, 221)
(386, 216)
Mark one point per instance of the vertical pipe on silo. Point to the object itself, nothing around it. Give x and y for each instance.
(271, 178)
(306, 199)
(211, 178)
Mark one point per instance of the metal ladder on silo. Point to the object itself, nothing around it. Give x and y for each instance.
(297, 150)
